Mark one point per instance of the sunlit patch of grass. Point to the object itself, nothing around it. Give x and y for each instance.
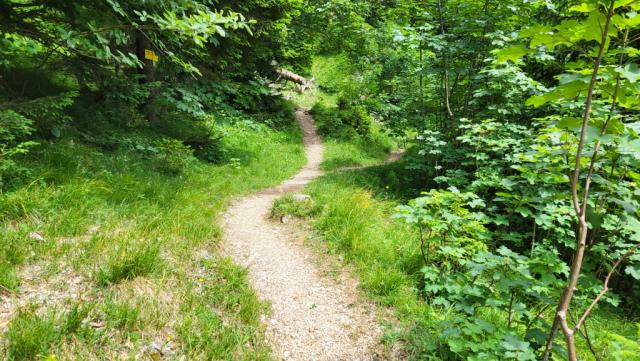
(9, 280)
(356, 152)
(136, 234)
(206, 330)
(287, 205)
(122, 315)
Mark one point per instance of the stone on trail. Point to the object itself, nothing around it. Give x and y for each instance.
(299, 198)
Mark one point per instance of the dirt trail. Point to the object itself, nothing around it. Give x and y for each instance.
(313, 317)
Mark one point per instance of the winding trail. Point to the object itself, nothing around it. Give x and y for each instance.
(313, 317)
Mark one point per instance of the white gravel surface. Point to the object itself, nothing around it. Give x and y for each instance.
(313, 317)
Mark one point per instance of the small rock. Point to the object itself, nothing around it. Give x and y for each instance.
(285, 219)
(96, 324)
(154, 350)
(36, 236)
(301, 198)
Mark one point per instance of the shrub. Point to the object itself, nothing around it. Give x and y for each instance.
(14, 128)
(356, 118)
(172, 156)
(327, 120)
(48, 113)
(199, 134)
(346, 121)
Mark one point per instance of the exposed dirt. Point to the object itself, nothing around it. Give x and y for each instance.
(314, 317)
(42, 289)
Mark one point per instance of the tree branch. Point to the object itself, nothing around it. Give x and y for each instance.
(598, 298)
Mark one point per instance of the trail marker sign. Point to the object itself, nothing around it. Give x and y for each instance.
(151, 55)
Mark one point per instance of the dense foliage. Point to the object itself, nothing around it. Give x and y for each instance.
(525, 124)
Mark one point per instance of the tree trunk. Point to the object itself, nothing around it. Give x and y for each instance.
(148, 75)
(445, 61)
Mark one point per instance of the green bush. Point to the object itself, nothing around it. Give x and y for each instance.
(345, 122)
(356, 118)
(14, 129)
(48, 113)
(172, 156)
(327, 120)
(200, 134)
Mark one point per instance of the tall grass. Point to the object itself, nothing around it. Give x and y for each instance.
(137, 235)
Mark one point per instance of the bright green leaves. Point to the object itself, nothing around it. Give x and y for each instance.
(633, 4)
(14, 129)
(512, 53)
(562, 92)
(585, 7)
(447, 216)
(108, 32)
(202, 26)
(630, 72)
(503, 282)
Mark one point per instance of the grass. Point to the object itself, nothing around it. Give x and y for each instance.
(130, 263)
(144, 246)
(331, 74)
(340, 153)
(9, 281)
(30, 336)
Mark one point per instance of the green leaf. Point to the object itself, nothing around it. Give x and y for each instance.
(583, 8)
(633, 272)
(512, 53)
(630, 71)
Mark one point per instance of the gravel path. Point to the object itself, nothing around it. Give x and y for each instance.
(313, 317)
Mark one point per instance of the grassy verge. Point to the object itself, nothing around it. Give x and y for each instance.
(341, 153)
(352, 215)
(104, 256)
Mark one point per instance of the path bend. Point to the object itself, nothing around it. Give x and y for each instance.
(313, 317)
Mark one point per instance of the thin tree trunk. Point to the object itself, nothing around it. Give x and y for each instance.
(580, 209)
(445, 60)
(421, 78)
(148, 72)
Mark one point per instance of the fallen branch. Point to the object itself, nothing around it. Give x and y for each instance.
(302, 82)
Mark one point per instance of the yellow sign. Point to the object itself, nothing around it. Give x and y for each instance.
(150, 55)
